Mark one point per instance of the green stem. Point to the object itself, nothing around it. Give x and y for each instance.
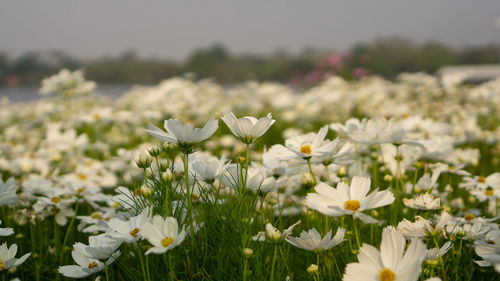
(68, 231)
(440, 258)
(284, 261)
(189, 197)
(247, 164)
(147, 268)
(56, 236)
(273, 262)
(245, 269)
(171, 268)
(311, 171)
(317, 263)
(141, 261)
(356, 232)
(107, 276)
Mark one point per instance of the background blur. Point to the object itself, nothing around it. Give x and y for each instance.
(123, 42)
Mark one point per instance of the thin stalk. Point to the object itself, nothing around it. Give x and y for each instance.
(356, 232)
(189, 197)
(311, 171)
(66, 236)
(247, 164)
(245, 269)
(317, 263)
(273, 262)
(32, 234)
(440, 257)
(141, 261)
(147, 268)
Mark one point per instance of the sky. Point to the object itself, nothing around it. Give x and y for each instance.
(173, 29)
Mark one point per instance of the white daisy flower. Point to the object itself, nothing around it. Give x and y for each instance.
(348, 200)
(272, 234)
(163, 234)
(129, 231)
(391, 263)
(423, 202)
(184, 135)
(311, 240)
(7, 257)
(6, 231)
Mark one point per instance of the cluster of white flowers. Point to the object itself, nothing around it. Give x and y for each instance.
(73, 153)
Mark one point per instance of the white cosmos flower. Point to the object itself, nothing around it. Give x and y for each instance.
(87, 262)
(433, 254)
(423, 228)
(129, 231)
(6, 231)
(248, 128)
(184, 135)
(423, 202)
(489, 251)
(391, 263)
(7, 257)
(208, 169)
(345, 200)
(311, 145)
(272, 234)
(311, 240)
(469, 231)
(163, 234)
(256, 179)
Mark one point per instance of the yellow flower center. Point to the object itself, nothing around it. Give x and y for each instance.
(469, 217)
(489, 192)
(55, 199)
(80, 190)
(92, 264)
(96, 216)
(81, 176)
(386, 274)
(451, 168)
(2, 267)
(167, 241)
(352, 205)
(96, 116)
(306, 149)
(134, 232)
(481, 179)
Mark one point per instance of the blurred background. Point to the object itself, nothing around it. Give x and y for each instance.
(123, 42)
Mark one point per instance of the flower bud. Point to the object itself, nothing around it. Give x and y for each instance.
(247, 252)
(312, 269)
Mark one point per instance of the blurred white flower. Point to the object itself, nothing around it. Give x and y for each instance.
(6, 231)
(67, 84)
(423, 202)
(7, 257)
(8, 192)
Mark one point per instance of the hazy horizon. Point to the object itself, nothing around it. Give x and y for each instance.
(92, 28)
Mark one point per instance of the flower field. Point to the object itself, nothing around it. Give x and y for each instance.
(192, 180)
